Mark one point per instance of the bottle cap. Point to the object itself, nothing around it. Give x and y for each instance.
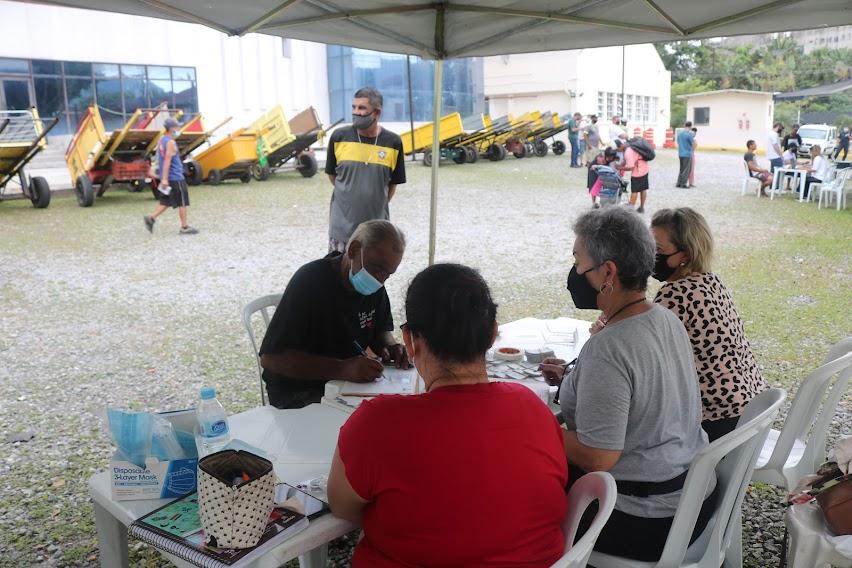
(207, 393)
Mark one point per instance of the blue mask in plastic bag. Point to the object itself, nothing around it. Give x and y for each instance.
(131, 432)
(364, 282)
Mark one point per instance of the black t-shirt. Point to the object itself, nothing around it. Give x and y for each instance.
(318, 315)
(785, 143)
(749, 158)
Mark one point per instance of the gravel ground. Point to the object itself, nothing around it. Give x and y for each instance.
(97, 312)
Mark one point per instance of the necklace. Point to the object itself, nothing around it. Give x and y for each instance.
(376, 143)
(624, 307)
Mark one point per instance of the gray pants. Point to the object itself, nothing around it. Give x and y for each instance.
(685, 167)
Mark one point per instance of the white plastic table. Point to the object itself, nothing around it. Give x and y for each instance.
(799, 177)
(811, 543)
(300, 443)
(565, 336)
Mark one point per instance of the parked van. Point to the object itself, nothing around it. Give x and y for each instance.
(822, 134)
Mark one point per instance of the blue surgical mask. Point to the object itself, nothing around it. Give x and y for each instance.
(364, 282)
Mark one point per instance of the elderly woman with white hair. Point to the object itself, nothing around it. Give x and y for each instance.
(631, 404)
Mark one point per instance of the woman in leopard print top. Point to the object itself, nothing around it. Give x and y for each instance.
(727, 371)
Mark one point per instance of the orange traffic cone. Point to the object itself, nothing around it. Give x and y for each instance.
(669, 143)
(649, 137)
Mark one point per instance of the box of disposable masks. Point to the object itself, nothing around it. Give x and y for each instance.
(141, 468)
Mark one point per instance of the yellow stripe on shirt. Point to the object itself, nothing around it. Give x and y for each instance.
(366, 153)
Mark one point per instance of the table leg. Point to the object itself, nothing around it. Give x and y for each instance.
(112, 539)
(802, 182)
(775, 180)
(316, 558)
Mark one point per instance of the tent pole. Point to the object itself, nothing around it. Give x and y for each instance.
(410, 105)
(436, 157)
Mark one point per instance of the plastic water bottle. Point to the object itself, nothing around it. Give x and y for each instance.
(214, 433)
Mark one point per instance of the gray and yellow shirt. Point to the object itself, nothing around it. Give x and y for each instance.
(364, 169)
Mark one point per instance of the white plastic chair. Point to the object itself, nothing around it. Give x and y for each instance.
(600, 486)
(798, 448)
(732, 458)
(830, 175)
(261, 305)
(836, 188)
(747, 179)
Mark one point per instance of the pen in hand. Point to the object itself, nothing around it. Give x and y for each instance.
(363, 353)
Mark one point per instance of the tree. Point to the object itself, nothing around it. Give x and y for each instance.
(678, 105)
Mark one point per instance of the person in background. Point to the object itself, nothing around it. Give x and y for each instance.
(329, 305)
(592, 137)
(789, 157)
(639, 174)
(685, 141)
(728, 373)
(631, 404)
(172, 190)
(573, 138)
(581, 138)
(593, 184)
(817, 169)
(470, 473)
(773, 147)
(754, 170)
(615, 130)
(365, 164)
(792, 138)
(692, 166)
(842, 143)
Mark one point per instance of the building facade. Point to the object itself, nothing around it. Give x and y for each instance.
(588, 81)
(727, 119)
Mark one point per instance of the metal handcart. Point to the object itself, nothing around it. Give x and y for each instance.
(122, 156)
(22, 137)
(306, 129)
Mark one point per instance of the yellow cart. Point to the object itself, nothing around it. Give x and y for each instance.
(450, 128)
(306, 129)
(22, 137)
(231, 157)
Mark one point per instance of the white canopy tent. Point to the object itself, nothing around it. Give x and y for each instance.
(467, 28)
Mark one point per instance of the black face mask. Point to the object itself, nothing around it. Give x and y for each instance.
(584, 295)
(662, 271)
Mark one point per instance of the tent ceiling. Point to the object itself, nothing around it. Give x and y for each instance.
(488, 27)
(821, 91)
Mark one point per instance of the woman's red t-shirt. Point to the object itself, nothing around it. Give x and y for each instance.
(468, 475)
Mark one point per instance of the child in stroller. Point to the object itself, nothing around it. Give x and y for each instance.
(604, 183)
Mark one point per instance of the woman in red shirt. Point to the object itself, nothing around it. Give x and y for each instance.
(470, 473)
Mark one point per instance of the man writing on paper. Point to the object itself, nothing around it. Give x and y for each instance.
(328, 306)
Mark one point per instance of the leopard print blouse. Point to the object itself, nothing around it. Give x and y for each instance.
(728, 374)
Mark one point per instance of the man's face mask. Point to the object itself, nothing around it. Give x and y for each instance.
(583, 294)
(363, 122)
(364, 283)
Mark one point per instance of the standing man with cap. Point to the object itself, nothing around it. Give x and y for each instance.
(173, 191)
(573, 138)
(365, 163)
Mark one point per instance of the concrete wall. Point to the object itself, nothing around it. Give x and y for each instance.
(735, 117)
(239, 77)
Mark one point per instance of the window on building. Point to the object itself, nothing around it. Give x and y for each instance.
(601, 105)
(629, 111)
(610, 105)
(286, 48)
(17, 66)
(351, 68)
(701, 116)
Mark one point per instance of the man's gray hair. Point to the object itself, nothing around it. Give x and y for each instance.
(371, 233)
(619, 234)
(371, 94)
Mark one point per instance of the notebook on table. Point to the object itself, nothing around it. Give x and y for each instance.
(395, 381)
(176, 528)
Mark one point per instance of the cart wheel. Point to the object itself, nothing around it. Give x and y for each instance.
(214, 177)
(472, 154)
(530, 149)
(427, 158)
(192, 172)
(558, 147)
(307, 165)
(459, 155)
(135, 187)
(521, 152)
(245, 177)
(84, 190)
(260, 173)
(493, 153)
(503, 152)
(540, 148)
(39, 192)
